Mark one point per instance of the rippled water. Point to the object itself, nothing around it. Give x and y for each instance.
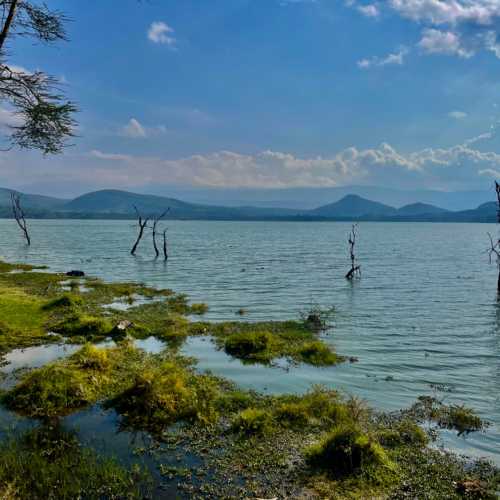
(425, 311)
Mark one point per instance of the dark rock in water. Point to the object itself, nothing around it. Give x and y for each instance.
(75, 274)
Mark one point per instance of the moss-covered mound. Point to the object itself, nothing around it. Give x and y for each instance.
(167, 393)
(62, 387)
(264, 342)
(346, 451)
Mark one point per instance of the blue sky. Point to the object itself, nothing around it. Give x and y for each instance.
(271, 93)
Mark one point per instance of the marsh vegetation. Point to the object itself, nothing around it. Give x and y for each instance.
(246, 444)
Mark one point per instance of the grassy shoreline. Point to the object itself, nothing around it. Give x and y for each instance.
(317, 445)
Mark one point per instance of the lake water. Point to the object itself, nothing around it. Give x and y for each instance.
(425, 311)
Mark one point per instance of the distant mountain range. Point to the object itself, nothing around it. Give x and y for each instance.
(120, 204)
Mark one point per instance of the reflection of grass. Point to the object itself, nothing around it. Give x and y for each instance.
(50, 463)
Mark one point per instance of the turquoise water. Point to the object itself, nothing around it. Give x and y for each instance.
(425, 311)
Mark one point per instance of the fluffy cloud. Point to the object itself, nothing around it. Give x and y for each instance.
(463, 166)
(453, 12)
(443, 42)
(134, 129)
(456, 167)
(370, 10)
(451, 27)
(160, 32)
(396, 59)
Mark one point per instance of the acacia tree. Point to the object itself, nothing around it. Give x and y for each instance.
(43, 117)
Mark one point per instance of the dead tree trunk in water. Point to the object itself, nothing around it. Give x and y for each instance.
(143, 223)
(495, 245)
(165, 249)
(355, 270)
(18, 213)
(155, 224)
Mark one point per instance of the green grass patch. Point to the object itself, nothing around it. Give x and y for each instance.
(347, 451)
(165, 393)
(63, 387)
(264, 342)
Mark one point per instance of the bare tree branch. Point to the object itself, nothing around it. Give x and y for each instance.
(355, 270)
(19, 215)
(155, 223)
(143, 223)
(165, 249)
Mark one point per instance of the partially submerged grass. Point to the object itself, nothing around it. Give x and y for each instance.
(49, 462)
(265, 342)
(63, 387)
(455, 417)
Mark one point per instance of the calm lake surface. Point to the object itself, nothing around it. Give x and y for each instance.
(424, 313)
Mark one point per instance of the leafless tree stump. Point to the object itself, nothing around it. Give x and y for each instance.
(19, 215)
(355, 271)
(143, 223)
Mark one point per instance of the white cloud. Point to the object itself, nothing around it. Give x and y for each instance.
(160, 32)
(452, 12)
(393, 59)
(457, 115)
(451, 27)
(369, 10)
(443, 42)
(134, 129)
(95, 153)
(456, 167)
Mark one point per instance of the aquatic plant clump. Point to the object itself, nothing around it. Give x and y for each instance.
(63, 387)
(252, 421)
(346, 450)
(165, 394)
(457, 417)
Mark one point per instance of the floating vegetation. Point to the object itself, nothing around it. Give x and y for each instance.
(457, 417)
(199, 309)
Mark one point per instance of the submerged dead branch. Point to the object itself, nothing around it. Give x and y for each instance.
(155, 224)
(494, 250)
(19, 215)
(143, 223)
(355, 271)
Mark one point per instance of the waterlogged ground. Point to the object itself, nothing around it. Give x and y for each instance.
(424, 313)
(92, 371)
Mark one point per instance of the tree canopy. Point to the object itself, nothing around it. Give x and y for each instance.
(42, 116)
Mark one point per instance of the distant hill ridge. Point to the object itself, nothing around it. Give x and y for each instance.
(113, 203)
